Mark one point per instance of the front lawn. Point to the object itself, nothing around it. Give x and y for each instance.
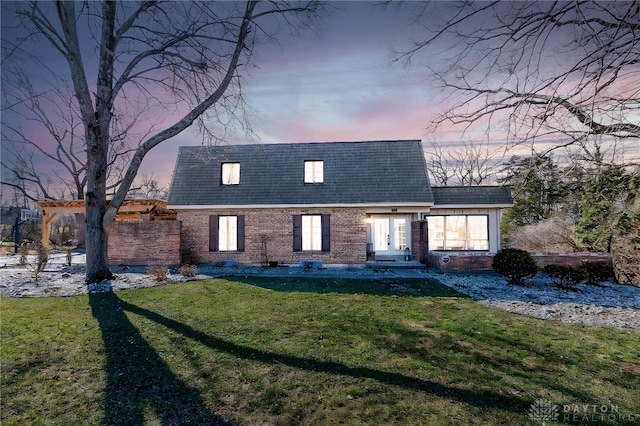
(300, 351)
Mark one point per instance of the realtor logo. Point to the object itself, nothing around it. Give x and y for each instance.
(543, 411)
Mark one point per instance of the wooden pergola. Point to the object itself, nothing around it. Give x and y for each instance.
(147, 209)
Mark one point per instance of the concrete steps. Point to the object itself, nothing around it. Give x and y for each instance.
(385, 265)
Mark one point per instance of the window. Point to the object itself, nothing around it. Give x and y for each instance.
(313, 171)
(400, 234)
(461, 232)
(311, 232)
(230, 173)
(226, 233)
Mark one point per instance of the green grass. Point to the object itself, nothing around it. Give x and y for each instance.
(296, 351)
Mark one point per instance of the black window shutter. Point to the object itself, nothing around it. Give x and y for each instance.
(240, 232)
(326, 232)
(297, 232)
(213, 233)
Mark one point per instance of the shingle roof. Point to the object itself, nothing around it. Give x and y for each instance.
(377, 172)
(472, 196)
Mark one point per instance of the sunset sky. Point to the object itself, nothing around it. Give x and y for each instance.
(338, 84)
(335, 81)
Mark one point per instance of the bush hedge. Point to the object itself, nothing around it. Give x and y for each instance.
(596, 272)
(567, 277)
(515, 265)
(564, 277)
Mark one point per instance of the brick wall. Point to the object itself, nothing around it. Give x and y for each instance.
(420, 240)
(144, 243)
(461, 261)
(275, 227)
(569, 259)
(483, 261)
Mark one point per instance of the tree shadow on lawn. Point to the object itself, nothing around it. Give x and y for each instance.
(480, 399)
(406, 287)
(139, 382)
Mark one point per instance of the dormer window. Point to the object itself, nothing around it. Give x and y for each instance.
(230, 173)
(313, 171)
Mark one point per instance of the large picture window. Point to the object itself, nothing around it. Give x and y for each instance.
(458, 232)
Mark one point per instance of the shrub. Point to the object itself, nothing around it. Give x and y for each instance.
(35, 264)
(554, 235)
(625, 254)
(23, 251)
(564, 277)
(515, 265)
(188, 271)
(68, 251)
(158, 271)
(42, 257)
(596, 272)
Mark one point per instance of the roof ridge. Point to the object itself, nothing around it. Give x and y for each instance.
(300, 143)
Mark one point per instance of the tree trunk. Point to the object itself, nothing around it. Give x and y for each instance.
(95, 209)
(97, 155)
(96, 242)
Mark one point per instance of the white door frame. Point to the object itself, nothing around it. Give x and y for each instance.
(390, 234)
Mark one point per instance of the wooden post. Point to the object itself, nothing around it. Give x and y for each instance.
(46, 223)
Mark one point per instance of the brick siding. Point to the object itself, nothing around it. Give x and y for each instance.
(461, 261)
(275, 227)
(569, 259)
(420, 241)
(144, 243)
(483, 261)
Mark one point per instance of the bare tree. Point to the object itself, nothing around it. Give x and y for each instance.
(41, 131)
(464, 164)
(556, 74)
(148, 187)
(153, 61)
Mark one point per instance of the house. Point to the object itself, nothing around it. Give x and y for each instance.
(334, 202)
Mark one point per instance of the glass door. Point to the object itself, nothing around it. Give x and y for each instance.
(390, 235)
(380, 233)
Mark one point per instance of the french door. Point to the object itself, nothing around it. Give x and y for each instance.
(390, 235)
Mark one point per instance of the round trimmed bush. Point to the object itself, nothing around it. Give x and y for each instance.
(515, 265)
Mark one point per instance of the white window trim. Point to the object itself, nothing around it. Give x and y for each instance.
(467, 238)
(227, 233)
(230, 173)
(314, 171)
(311, 232)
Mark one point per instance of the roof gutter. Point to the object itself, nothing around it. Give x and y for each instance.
(299, 206)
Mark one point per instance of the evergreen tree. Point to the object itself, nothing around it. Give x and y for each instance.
(604, 207)
(538, 189)
(625, 248)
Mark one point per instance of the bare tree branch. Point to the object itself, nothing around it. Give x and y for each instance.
(539, 69)
(149, 62)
